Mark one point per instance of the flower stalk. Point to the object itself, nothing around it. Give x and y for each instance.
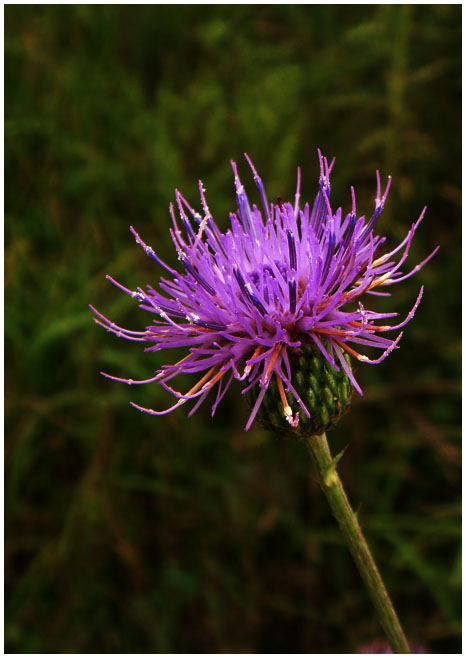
(348, 522)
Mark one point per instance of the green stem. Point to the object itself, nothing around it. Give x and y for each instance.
(349, 526)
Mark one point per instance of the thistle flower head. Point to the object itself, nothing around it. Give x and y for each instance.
(283, 280)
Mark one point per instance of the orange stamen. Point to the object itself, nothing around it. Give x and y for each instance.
(362, 358)
(273, 359)
(199, 384)
(256, 353)
(286, 407)
(333, 332)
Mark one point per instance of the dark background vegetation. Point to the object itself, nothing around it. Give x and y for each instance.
(133, 534)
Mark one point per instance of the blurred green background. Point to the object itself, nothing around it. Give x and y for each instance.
(133, 534)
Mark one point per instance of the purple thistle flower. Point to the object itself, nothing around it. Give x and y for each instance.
(278, 280)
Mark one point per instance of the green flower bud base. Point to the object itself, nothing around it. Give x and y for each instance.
(324, 391)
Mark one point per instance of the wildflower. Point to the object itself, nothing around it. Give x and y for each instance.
(282, 281)
(381, 646)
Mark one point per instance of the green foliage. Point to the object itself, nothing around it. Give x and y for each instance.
(133, 534)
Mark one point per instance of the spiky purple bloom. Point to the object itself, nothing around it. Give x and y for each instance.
(280, 279)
